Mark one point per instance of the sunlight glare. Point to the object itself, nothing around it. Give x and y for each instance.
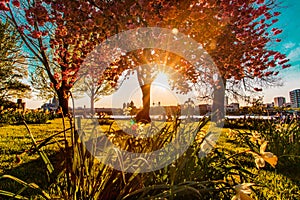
(175, 31)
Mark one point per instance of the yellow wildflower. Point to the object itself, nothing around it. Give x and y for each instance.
(263, 156)
(255, 136)
(242, 191)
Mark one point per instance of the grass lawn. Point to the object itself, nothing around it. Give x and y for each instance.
(279, 183)
(15, 140)
(15, 159)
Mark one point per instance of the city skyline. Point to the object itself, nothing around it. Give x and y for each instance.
(161, 88)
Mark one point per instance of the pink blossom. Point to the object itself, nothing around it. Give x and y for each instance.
(258, 89)
(276, 13)
(285, 66)
(36, 34)
(16, 3)
(3, 6)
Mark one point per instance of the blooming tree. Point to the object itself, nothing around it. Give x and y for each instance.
(58, 35)
(236, 34)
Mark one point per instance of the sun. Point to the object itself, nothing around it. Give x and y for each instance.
(162, 78)
(161, 90)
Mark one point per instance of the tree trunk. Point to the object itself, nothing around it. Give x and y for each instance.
(218, 106)
(144, 115)
(92, 103)
(63, 99)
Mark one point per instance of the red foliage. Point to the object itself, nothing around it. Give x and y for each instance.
(276, 13)
(276, 31)
(257, 89)
(3, 6)
(36, 34)
(286, 66)
(16, 3)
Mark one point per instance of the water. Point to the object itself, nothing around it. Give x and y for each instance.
(160, 117)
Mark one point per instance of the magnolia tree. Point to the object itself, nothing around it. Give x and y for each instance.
(57, 35)
(236, 34)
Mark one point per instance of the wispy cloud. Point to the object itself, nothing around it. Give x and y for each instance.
(294, 54)
(289, 45)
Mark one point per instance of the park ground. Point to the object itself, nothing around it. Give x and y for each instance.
(231, 164)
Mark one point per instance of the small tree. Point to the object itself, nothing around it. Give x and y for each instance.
(11, 70)
(94, 84)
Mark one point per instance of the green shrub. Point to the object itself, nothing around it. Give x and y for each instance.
(244, 123)
(284, 142)
(17, 116)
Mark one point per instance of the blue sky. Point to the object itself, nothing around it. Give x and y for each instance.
(290, 45)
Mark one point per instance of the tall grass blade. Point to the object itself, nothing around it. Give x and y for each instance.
(43, 155)
(26, 185)
(12, 195)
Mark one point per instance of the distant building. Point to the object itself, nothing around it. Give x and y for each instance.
(295, 98)
(233, 107)
(269, 105)
(48, 107)
(172, 110)
(204, 109)
(51, 106)
(107, 111)
(279, 101)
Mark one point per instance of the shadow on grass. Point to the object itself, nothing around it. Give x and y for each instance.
(290, 169)
(30, 172)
